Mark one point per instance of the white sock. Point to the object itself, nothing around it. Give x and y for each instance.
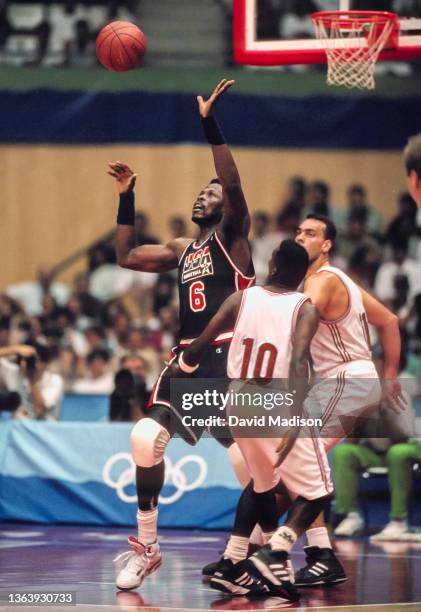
(283, 539)
(236, 549)
(318, 536)
(147, 526)
(257, 536)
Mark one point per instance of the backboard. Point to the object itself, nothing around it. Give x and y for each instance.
(267, 33)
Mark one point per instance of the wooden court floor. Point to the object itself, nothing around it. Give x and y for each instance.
(79, 560)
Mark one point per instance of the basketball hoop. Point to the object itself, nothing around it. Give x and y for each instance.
(353, 42)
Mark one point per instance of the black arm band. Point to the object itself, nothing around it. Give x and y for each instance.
(212, 131)
(125, 215)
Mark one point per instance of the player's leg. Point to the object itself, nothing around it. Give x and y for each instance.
(352, 394)
(231, 575)
(305, 473)
(322, 567)
(257, 504)
(149, 440)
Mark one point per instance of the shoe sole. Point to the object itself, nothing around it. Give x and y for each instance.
(260, 570)
(149, 571)
(326, 583)
(228, 587)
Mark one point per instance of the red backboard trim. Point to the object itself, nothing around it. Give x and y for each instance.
(278, 57)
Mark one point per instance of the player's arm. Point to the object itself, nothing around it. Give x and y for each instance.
(319, 288)
(387, 325)
(306, 327)
(236, 218)
(148, 257)
(224, 320)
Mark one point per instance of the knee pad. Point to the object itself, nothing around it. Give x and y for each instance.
(149, 441)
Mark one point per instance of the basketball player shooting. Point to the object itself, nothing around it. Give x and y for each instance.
(210, 268)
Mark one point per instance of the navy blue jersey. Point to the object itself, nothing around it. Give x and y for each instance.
(206, 277)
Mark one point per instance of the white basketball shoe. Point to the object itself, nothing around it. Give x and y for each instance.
(140, 561)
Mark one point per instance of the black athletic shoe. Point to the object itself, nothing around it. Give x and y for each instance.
(322, 569)
(235, 579)
(209, 569)
(274, 570)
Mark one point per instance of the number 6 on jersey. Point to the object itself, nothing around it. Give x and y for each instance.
(197, 297)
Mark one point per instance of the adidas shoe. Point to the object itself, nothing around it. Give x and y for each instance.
(274, 570)
(209, 569)
(235, 579)
(141, 561)
(323, 568)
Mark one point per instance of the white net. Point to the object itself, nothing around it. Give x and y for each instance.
(353, 44)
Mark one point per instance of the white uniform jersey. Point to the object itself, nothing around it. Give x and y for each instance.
(337, 343)
(262, 340)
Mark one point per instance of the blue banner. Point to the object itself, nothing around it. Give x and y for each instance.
(82, 473)
(321, 122)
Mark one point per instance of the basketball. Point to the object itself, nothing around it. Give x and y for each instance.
(120, 46)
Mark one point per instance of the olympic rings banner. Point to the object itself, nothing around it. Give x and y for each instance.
(83, 473)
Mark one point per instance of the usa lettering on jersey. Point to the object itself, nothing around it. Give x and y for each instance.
(197, 265)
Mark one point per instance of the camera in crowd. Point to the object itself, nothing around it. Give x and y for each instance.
(9, 400)
(130, 393)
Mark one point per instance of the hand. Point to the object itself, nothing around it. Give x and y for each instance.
(24, 350)
(205, 106)
(176, 372)
(125, 177)
(283, 449)
(393, 395)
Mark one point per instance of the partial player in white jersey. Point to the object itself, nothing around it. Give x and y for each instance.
(341, 355)
(273, 329)
(412, 158)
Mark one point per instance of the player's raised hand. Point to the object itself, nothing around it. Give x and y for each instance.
(124, 176)
(205, 106)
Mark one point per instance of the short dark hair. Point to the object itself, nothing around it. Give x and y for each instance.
(412, 154)
(322, 187)
(215, 181)
(330, 227)
(357, 188)
(98, 354)
(291, 261)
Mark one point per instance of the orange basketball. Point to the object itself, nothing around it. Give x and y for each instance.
(120, 46)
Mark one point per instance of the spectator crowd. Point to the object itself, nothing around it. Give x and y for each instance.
(59, 34)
